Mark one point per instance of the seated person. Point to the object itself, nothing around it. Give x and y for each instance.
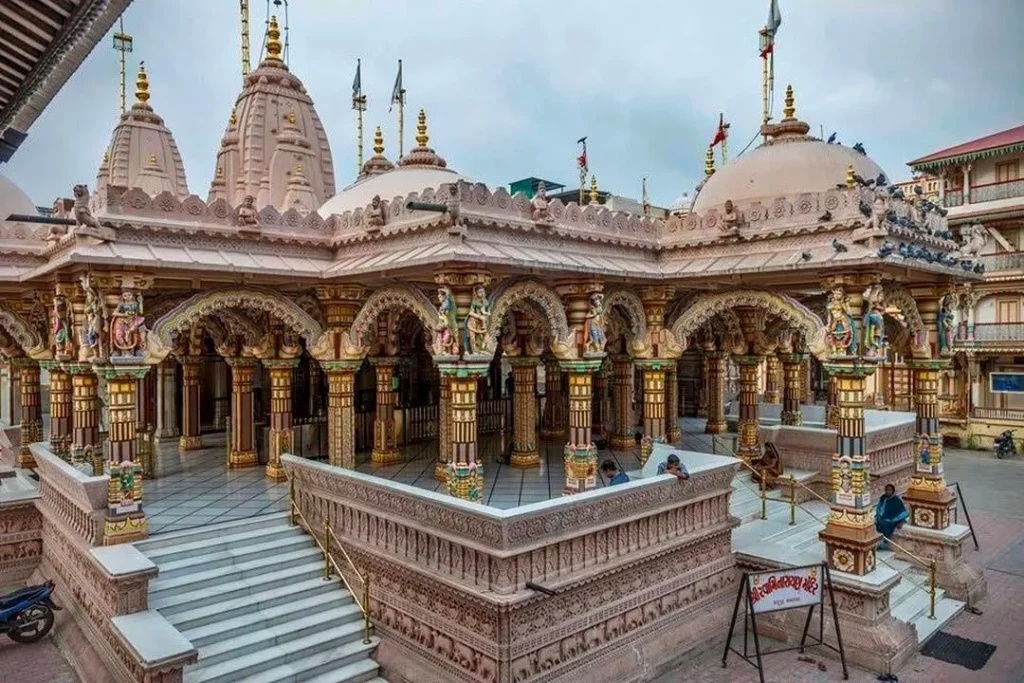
(672, 465)
(611, 471)
(890, 513)
(768, 466)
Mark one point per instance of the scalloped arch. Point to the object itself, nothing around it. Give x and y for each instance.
(630, 304)
(195, 308)
(395, 296)
(511, 292)
(21, 331)
(917, 335)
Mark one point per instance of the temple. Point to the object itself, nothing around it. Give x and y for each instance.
(422, 372)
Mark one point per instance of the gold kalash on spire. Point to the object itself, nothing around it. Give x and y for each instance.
(142, 86)
(709, 163)
(273, 41)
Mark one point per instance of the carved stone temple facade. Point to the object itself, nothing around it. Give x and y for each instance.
(796, 254)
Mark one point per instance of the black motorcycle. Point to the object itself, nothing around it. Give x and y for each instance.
(27, 615)
(1003, 444)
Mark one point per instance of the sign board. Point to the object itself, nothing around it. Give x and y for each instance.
(1006, 382)
(783, 589)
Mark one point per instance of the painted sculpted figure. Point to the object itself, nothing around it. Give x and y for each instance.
(874, 321)
(92, 323)
(947, 329)
(127, 327)
(839, 332)
(446, 333)
(594, 338)
(63, 344)
(476, 321)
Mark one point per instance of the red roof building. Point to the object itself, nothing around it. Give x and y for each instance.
(1004, 142)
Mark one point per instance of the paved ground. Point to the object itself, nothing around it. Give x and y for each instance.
(37, 663)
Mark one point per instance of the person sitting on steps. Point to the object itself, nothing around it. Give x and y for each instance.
(768, 466)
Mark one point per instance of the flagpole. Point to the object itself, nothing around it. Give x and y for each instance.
(764, 77)
(401, 113)
(360, 103)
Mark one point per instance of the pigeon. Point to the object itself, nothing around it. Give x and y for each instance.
(979, 268)
(880, 181)
(840, 186)
(942, 212)
(865, 208)
(904, 250)
(918, 191)
(805, 256)
(966, 264)
(891, 216)
(859, 148)
(832, 138)
(825, 217)
(839, 246)
(886, 250)
(898, 194)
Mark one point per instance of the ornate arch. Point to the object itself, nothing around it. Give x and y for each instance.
(509, 293)
(29, 339)
(390, 298)
(899, 297)
(708, 306)
(217, 301)
(632, 308)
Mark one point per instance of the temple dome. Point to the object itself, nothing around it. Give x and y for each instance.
(419, 169)
(142, 152)
(13, 200)
(790, 163)
(274, 134)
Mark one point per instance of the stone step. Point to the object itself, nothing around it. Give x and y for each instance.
(258, 639)
(338, 602)
(945, 610)
(227, 540)
(256, 549)
(323, 650)
(209, 578)
(256, 584)
(363, 671)
(248, 604)
(177, 538)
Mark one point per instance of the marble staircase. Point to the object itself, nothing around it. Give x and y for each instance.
(251, 598)
(775, 539)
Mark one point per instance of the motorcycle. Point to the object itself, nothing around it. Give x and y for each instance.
(27, 615)
(1004, 445)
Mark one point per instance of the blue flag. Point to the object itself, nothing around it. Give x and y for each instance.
(774, 18)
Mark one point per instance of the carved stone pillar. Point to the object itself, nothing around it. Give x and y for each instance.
(772, 370)
(341, 412)
(702, 390)
(167, 400)
(242, 451)
(622, 382)
(850, 537)
(654, 397)
(749, 445)
(221, 406)
(125, 522)
(385, 450)
(444, 427)
(281, 437)
(191, 381)
(929, 500)
(465, 471)
(60, 412)
(792, 388)
(716, 393)
(524, 412)
(831, 403)
(672, 431)
(601, 400)
(12, 394)
(580, 452)
(554, 402)
(85, 419)
(31, 410)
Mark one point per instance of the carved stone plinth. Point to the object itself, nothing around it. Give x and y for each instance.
(466, 481)
(190, 443)
(239, 459)
(850, 549)
(960, 579)
(930, 508)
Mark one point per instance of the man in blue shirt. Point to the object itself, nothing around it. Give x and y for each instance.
(611, 472)
(672, 465)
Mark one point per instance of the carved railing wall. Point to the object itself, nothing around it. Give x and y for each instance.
(78, 500)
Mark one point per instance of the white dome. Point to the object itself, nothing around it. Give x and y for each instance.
(13, 200)
(783, 167)
(682, 203)
(399, 182)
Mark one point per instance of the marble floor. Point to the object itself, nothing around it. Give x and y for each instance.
(205, 491)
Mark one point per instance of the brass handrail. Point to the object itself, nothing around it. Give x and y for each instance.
(325, 548)
(930, 565)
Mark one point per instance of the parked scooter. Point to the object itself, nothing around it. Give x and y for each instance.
(1004, 445)
(27, 615)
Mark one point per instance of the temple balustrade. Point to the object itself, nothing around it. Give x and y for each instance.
(453, 583)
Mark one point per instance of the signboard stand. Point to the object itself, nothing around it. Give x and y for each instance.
(777, 591)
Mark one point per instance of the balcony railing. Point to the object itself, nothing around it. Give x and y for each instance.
(989, 192)
(953, 198)
(997, 414)
(998, 332)
(1013, 260)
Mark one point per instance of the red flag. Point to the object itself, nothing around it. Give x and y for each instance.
(720, 133)
(769, 49)
(581, 160)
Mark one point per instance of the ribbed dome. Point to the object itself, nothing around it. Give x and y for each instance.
(274, 133)
(790, 163)
(13, 200)
(142, 151)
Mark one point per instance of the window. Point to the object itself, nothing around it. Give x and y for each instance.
(1007, 171)
(1008, 311)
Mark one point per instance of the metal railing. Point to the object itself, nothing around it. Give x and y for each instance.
(963, 504)
(953, 198)
(998, 332)
(1013, 260)
(992, 192)
(997, 413)
(329, 561)
(931, 565)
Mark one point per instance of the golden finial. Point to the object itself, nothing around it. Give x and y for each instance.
(421, 129)
(298, 168)
(220, 171)
(709, 163)
(234, 118)
(152, 158)
(378, 142)
(273, 41)
(789, 110)
(291, 117)
(593, 189)
(106, 157)
(142, 85)
(850, 182)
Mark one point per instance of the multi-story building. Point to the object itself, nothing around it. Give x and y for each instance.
(980, 183)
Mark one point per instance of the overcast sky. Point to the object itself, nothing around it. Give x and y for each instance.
(509, 85)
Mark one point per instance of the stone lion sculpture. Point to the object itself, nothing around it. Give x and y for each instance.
(975, 236)
(85, 222)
